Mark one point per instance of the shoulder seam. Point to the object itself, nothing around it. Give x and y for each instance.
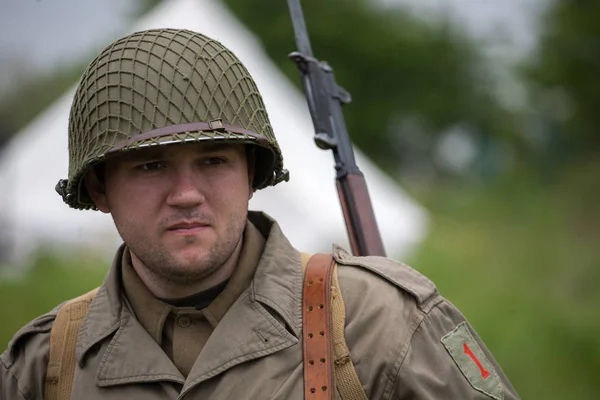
(402, 357)
(423, 300)
(417, 326)
(8, 354)
(11, 372)
(432, 302)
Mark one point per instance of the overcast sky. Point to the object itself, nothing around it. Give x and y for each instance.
(43, 34)
(48, 29)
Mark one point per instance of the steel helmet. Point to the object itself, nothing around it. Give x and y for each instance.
(160, 87)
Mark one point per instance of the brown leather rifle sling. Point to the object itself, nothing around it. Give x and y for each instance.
(327, 362)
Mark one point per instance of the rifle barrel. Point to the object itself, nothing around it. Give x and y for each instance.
(300, 31)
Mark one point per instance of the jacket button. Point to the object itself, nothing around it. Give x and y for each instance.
(184, 322)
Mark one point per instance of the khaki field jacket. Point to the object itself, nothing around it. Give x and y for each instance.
(406, 341)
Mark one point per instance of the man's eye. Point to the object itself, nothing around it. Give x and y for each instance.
(151, 166)
(215, 161)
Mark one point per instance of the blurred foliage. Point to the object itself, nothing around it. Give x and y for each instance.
(397, 68)
(520, 261)
(49, 281)
(30, 97)
(564, 73)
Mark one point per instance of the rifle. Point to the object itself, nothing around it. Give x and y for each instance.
(325, 99)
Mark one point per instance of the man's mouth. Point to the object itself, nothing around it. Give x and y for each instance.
(187, 228)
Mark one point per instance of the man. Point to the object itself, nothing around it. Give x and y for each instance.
(168, 133)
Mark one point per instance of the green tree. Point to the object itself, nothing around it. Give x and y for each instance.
(564, 74)
(396, 67)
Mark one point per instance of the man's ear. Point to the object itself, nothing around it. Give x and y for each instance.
(96, 190)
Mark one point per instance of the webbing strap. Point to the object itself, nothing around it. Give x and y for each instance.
(346, 379)
(63, 340)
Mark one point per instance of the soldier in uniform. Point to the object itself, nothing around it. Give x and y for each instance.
(168, 133)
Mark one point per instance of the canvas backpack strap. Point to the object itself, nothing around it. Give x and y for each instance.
(346, 379)
(63, 339)
(337, 364)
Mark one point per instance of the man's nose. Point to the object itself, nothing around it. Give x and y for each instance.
(186, 189)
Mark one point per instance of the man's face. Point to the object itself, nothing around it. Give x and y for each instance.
(180, 209)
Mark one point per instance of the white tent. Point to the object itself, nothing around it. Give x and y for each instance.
(307, 207)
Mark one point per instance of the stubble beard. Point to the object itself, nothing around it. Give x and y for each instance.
(168, 268)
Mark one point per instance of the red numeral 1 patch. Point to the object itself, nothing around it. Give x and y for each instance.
(484, 372)
(472, 361)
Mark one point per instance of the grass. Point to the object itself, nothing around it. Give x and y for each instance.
(519, 259)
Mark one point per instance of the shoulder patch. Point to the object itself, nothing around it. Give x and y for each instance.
(399, 274)
(472, 361)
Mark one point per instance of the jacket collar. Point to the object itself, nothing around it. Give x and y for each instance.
(240, 280)
(278, 279)
(104, 314)
(248, 330)
(148, 310)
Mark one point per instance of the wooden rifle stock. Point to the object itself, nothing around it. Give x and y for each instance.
(363, 232)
